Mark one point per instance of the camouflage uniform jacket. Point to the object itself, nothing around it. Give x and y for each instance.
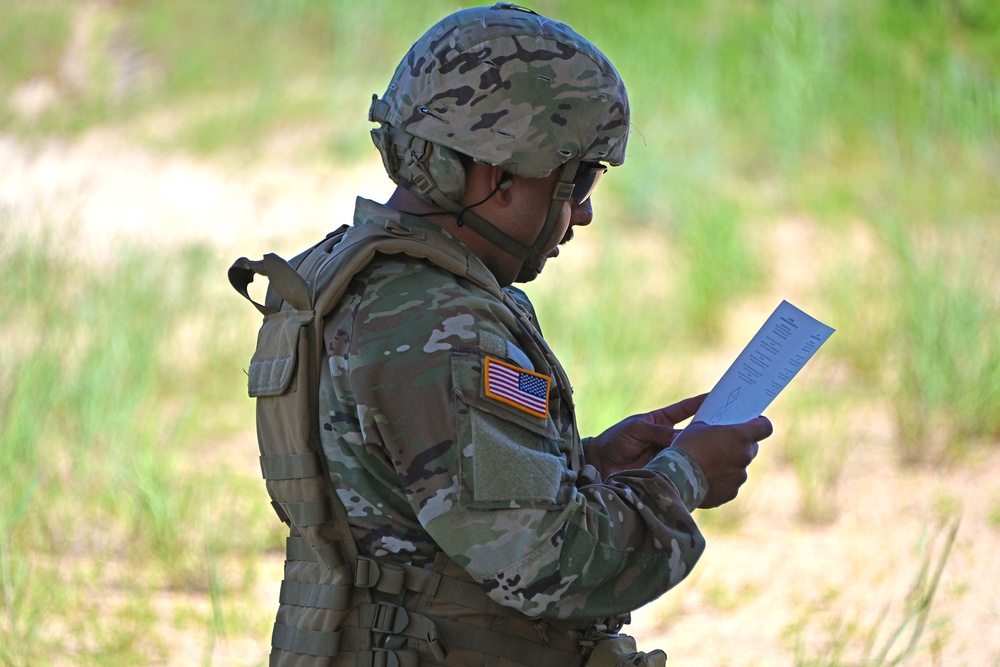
(427, 454)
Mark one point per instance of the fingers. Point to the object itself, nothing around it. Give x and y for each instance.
(760, 428)
(724, 453)
(754, 430)
(649, 431)
(678, 412)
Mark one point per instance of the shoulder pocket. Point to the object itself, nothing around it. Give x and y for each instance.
(510, 458)
(279, 344)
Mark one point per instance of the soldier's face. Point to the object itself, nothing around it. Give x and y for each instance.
(534, 201)
(577, 215)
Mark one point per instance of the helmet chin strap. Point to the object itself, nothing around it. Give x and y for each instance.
(532, 257)
(561, 192)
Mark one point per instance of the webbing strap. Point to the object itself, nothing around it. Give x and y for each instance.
(515, 649)
(394, 579)
(309, 513)
(440, 634)
(471, 595)
(329, 644)
(290, 466)
(391, 581)
(311, 642)
(323, 596)
(418, 580)
(280, 511)
(389, 619)
(378, 657)
(280, 276)
(298, 548)
(425, 185)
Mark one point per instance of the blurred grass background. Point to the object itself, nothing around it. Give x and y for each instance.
(842, 154)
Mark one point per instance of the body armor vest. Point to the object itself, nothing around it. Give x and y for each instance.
(336, 607)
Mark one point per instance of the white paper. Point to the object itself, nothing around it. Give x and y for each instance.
(786, 342)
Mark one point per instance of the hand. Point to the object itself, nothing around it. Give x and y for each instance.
(724, 453)
(633, 442)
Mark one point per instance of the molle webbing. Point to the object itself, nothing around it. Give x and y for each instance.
(399, 627)
(394, 579)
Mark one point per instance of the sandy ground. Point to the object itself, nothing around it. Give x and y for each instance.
(754, 586)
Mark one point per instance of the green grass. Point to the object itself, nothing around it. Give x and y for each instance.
(947, 346)
(895, 636)
(721, 93)
(993, 513)
(815, 441)
(33, 37)
(97, 445)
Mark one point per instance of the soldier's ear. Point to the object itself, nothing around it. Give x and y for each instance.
(500, 182)
(484, 185)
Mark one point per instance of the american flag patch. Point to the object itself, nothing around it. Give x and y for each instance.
(521, 388)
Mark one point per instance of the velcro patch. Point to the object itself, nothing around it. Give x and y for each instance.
(518, 387)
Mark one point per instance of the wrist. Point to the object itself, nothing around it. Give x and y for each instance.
(684, 472)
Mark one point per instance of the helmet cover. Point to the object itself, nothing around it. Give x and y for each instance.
(506, 87)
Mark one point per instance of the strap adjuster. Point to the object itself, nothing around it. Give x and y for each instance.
(380, 657)
(390, 619)
(366, 573)
(423, 183)
(562, 192)
(395, 622)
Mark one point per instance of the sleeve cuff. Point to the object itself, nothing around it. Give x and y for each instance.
(684, 473)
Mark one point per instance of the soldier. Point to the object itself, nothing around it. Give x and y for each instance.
(486, 530)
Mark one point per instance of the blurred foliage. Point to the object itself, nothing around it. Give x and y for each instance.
(103, 489)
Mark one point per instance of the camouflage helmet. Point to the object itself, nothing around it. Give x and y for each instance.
(506, 87)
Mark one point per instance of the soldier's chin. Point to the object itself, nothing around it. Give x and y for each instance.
(553, 253)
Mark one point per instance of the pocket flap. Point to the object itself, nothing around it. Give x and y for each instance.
(273, 364)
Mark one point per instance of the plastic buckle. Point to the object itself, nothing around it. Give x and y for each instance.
(390, 619)
(383, 658)
(423, 183)
(366, 573)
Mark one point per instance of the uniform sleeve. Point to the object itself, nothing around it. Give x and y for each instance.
(489, 481)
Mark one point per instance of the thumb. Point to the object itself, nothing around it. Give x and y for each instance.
(679, 411)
